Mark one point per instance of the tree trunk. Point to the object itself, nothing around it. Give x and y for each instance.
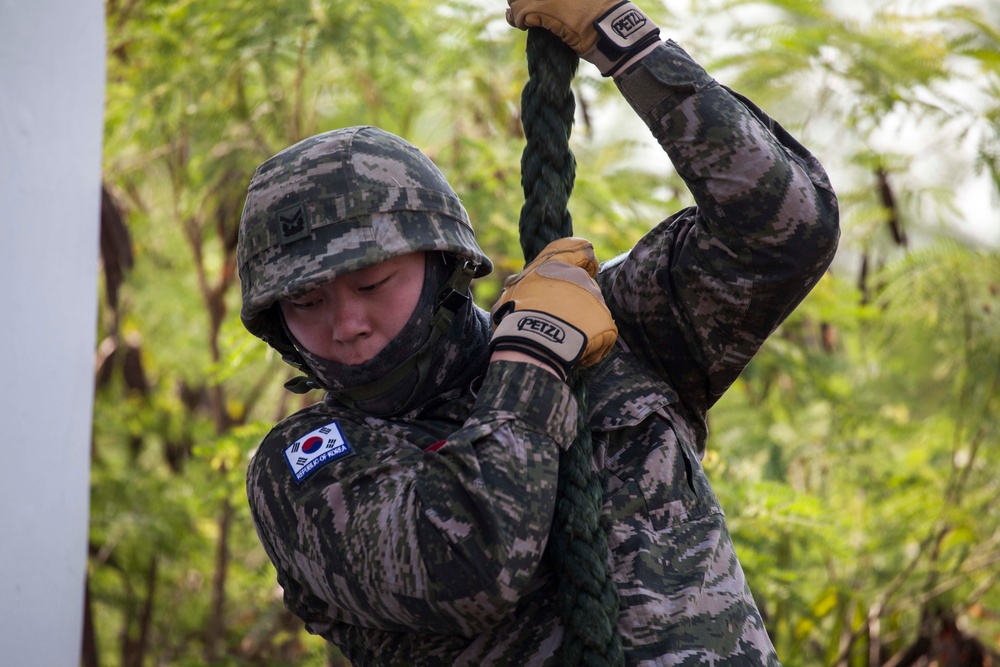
(217, 624)
(135, 649)
(88, 651)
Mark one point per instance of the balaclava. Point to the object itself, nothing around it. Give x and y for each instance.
(344, 200)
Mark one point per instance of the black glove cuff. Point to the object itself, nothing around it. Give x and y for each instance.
(622, 31)
(549, 339)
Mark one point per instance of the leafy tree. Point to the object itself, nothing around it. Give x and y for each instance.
(855, 453)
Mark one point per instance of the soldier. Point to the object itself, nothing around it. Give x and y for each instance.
(407, 514)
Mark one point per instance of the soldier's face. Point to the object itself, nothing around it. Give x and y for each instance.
(351, 318)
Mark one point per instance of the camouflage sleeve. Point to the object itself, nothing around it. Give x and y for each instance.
(389, 536)
(697, 296)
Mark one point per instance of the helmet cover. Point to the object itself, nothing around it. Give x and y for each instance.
(338, 202)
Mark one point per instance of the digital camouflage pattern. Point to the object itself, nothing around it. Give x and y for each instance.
(403, 556)
(338, 202)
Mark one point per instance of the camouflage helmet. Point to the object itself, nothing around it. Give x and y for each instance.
(338, 202)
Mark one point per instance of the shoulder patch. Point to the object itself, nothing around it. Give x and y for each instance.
(316, 448)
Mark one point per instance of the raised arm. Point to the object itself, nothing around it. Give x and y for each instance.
(697, 296)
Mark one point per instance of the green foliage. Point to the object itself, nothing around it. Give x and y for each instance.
(860, 476)
(857, 455)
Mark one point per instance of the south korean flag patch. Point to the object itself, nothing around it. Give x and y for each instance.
(316, 448)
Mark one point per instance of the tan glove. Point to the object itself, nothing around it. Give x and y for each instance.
(554, 311)
(611, 34)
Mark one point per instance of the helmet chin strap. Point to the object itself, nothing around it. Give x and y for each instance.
(452, 297)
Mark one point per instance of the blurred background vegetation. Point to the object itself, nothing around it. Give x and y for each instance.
(857, 457)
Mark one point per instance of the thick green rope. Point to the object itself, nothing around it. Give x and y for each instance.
(588, 599)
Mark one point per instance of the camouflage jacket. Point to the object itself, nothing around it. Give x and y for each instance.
(419, 540)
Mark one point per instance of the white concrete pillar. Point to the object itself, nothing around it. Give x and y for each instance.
(52, 71)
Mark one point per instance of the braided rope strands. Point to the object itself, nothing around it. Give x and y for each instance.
(588, 599)
(548, 167)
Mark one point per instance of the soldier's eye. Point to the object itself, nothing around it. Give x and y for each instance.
(374, 286)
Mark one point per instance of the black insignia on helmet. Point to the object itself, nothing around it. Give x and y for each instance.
(293, 224)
